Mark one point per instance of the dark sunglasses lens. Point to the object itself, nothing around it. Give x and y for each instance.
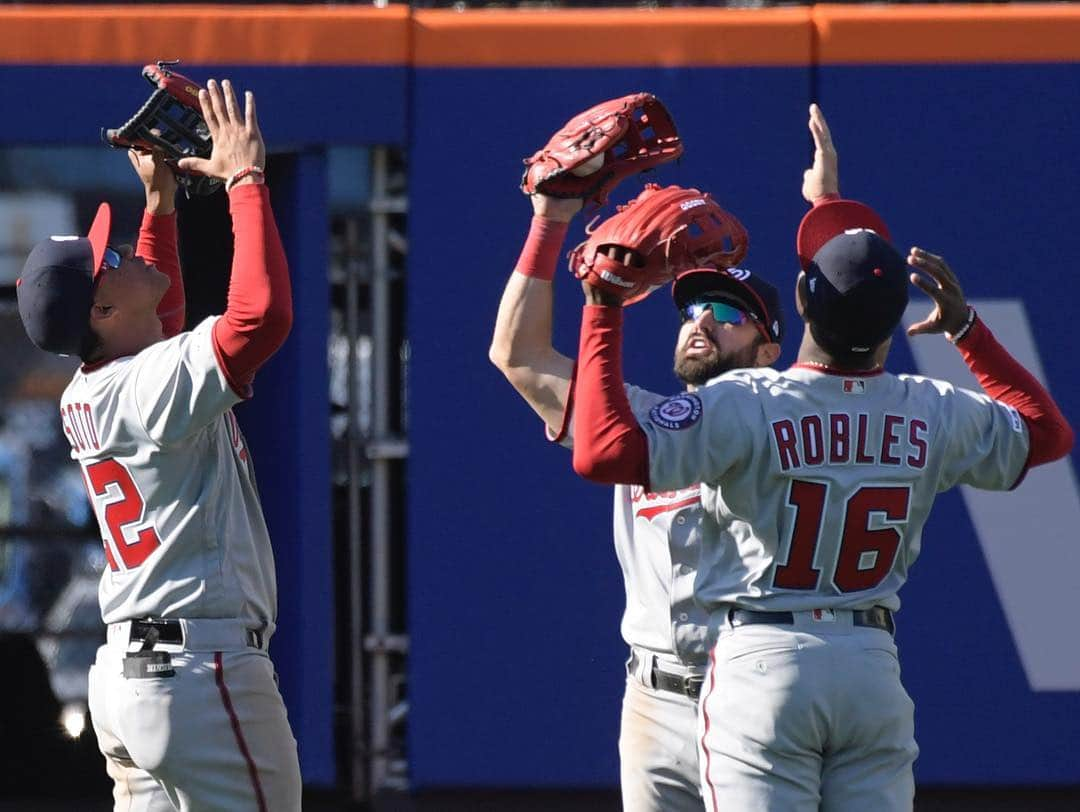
(111, 258)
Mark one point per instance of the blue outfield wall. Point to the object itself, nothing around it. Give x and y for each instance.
(515, 593)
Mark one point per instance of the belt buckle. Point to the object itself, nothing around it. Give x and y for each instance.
(691, 685)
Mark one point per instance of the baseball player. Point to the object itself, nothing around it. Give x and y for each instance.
(832, 466)
(183, 696)
(729, 320)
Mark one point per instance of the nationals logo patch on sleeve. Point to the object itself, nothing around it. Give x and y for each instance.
(678, 412)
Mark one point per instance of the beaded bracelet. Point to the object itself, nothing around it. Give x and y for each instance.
(963, 331)
(239, 174)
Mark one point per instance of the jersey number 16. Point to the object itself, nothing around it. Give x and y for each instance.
(865, 555)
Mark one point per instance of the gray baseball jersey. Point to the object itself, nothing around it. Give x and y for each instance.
(172, 484)
(818, 485)
(657, 541)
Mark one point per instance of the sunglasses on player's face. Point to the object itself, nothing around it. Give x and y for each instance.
(722, 312)
(111, 259)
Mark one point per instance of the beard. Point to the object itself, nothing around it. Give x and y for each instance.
(699, 370)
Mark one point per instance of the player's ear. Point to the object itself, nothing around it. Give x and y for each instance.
(767, 354)
(800, 295)
(99, 312)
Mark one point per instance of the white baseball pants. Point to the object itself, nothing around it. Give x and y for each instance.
(212, 737)
(805, 718)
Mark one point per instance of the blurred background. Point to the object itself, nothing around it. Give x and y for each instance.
(448, 631)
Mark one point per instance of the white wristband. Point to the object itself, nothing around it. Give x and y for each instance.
(963, 331)
(243, 173)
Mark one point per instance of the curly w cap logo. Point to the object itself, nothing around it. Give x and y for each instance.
(738, 273)
(676, 413)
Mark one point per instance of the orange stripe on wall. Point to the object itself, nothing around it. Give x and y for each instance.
(230, 35)
(350, 35)
(947, 34)
(612, 37)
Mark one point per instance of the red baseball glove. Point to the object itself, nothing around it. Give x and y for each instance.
(660, 233)
(171, 121)
(598, 148)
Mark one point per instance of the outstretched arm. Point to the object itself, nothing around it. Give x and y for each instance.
(1000, 375)
(157, 235)
(821, 182)
(521, 346)
(609, 445)
(259, 312)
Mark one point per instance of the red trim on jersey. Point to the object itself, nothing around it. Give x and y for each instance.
(1003, 378)
(568, 410)
(656, 510)
(259, 314)
(226, 700)
(158, 246)
(609, 445)
(94, 367)
(845, 373)
(705, 734)
(540, 254)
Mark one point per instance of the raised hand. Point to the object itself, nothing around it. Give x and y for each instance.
(560, 210)
(937, 281)
(823, 177)
(238, 144)
(158, 180)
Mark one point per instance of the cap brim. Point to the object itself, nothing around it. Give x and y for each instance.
(824, 222)
(99, 235)
(699, 281)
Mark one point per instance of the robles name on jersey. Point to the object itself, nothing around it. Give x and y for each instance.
(843, 438)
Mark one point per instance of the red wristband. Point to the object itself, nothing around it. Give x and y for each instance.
(540, 255)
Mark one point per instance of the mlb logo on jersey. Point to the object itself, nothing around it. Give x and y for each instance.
(853, 386)
(823, 615)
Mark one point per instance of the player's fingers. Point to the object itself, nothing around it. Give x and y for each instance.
(217, 103)
(940, 266)
(819, 128)
(925, 326)
(208, 110)
(200, 165)
(231, 108)
(931, 288)
(932, 265)
(250, 119)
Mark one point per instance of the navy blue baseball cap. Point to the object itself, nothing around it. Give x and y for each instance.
(856, 291)
(56, 288)
(739, 283)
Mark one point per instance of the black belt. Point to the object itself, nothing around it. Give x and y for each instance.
(877, 617)
(172, 632)
(689, 685)
(169, 631)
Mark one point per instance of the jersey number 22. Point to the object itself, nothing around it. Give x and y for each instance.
(120, 514)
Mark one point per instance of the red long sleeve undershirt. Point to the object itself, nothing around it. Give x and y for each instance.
(258, 317)
(1003, 378)
(157, 245)
(610, 446)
